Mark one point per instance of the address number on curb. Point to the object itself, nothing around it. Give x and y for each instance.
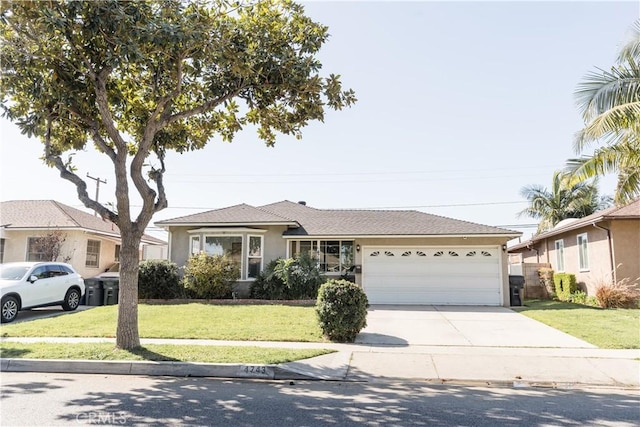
(257, 370)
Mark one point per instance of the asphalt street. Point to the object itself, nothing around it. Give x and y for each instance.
(37, 399)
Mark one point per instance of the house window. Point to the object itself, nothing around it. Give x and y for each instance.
(583, 251)
(254, 257)
(231, 246)
(194, 244)
(1, 251)
(116, 255)
(35, 250)
(333, 256)
(93, 254)
(560, 255)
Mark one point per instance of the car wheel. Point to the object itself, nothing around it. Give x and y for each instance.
(10, 309)
(71, 300)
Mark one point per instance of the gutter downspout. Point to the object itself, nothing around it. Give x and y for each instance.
(611, 265)
(533, 248)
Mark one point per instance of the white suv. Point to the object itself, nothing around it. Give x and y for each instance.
(25, 285)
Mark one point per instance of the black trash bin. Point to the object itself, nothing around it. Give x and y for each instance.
(516, 283)
(93, 292)
(111, 288)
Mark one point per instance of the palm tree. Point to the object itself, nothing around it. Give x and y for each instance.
(564, 200)
(610, 105)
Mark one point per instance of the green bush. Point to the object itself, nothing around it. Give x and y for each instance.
(579, 297)
(341, 309)
(210, 276)
(292, 278)
(159, 279)
(267, 285)
(565, 285)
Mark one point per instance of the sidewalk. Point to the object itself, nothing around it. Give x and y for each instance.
(504, 366)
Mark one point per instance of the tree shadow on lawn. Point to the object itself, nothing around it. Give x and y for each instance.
(12, 353)
(152, 356)
(542, 305)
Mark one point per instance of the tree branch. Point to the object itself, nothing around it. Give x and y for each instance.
(207, 106)
(81, 186)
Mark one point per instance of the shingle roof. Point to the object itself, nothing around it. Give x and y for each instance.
(629, 211)
(309, 221)
(47, 214)
(335, 222)
(238, 214)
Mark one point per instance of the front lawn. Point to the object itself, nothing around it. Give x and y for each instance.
(182, 353)
(196, 321)
(605, 328)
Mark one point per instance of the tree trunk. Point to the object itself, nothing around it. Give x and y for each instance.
(127, 336)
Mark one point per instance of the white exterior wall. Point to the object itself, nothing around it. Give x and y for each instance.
(74, 248)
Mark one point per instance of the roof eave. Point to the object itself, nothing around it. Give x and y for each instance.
(393, 236)
(165, 225)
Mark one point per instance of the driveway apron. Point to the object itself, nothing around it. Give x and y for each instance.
(394, 325)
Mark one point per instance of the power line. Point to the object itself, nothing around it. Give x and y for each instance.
(438, 171)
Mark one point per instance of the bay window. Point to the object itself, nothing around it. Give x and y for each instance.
(244, 246)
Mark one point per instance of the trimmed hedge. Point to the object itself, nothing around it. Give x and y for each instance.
(159, 279)
(565, 285)
(342, 310)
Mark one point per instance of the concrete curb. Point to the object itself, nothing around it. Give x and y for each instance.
(261, 372)
(174, 369)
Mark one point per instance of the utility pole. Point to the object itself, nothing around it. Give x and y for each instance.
(98, 181)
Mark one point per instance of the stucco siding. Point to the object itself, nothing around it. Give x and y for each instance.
(73, 250)
(625, 235)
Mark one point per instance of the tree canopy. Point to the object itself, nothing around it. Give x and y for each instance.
(563, 200)
(135, 79)
(610, 105)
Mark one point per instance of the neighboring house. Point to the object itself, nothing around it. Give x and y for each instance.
(400, 257)
(91, 244)
(599, 249)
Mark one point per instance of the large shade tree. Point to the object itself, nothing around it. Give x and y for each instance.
(563, 200)
(610, 105)
(136, 79)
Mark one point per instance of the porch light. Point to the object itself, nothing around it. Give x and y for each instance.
(357, 248)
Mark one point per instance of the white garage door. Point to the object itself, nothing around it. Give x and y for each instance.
(439, 276)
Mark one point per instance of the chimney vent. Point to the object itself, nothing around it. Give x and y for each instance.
(302, 202)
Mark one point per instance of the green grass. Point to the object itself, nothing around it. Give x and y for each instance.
(182, 353)
(605, 328)
(197, 321)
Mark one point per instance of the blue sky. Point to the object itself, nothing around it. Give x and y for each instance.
(461, 104)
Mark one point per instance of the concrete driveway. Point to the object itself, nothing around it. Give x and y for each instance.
(395, 325)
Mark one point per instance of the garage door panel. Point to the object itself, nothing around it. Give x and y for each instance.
(432, 275)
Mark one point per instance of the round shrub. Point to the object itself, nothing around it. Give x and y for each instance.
(159, 279)
(342, 310)
(210, 276)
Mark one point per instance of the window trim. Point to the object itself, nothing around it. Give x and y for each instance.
(242, 249)
(191, 239)
(559, 246)
(86, 260)
(318, 245)
(583, 259)
(28, 256)
(249, 257)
